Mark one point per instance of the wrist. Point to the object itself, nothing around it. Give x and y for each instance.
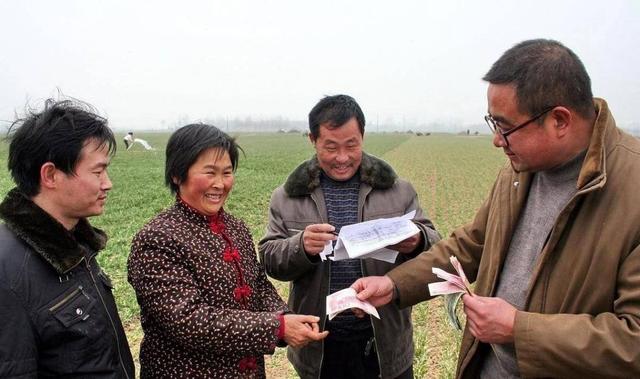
(281, 327)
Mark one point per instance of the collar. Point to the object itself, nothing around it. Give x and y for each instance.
(216, 222)
(60, 247)
(604, 138)
(306, 177)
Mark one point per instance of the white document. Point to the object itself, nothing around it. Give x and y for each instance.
(368, 239)
(347, 299)
(328, 250)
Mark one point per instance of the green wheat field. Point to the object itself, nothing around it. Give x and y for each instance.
(451, 173)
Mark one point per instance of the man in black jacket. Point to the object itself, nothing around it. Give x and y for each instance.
(58, 317)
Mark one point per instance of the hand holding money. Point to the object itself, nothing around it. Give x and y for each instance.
(346, 299)
(453, 288)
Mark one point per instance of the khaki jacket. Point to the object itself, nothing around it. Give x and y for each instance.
(300, 202)
(582, 313)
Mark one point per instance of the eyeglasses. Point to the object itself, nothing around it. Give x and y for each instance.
(496, 129)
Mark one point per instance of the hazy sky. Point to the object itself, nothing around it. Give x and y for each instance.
(148, 64)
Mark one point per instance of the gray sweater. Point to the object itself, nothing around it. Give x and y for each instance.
(549, 193)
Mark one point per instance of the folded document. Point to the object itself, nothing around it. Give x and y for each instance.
(368, 239)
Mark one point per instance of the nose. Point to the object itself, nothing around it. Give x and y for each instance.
(106, 183)
(342, 157)
(217, 182)
(499, 141)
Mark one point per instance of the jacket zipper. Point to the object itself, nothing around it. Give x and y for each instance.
(113, 325)
(324, 318)
(362, 269)
(66, 299)
(545, 274)
(324, 324)
(375, 340)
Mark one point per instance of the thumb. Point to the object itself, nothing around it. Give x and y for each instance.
(319, 336)
(365, 293)
(358, 285)
(308, 319)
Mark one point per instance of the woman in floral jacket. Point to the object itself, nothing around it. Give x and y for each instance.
(208, 310)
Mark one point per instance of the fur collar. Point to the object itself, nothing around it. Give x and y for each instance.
(45, 235)
(306, 177)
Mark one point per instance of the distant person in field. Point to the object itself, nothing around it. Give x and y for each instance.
(555, 249)
(341, 185)
(208, 309)
(129, 141)
(58, 317)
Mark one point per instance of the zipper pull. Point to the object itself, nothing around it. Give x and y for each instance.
(368, 346)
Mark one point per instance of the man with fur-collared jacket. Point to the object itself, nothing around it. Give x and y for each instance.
(339, 186)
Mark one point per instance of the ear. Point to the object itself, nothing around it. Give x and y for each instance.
(175, 180)
(312, 140)
(49, 175)
(562, 118)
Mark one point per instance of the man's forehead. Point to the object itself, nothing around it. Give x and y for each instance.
(347, 131)
(502, 102)
(97, 151)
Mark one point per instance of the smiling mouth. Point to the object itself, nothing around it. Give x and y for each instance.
(342, 167)
(212, 197)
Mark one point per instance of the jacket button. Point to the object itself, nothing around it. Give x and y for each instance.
(79, 311)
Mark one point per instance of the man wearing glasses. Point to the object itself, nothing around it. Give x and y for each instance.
(555, 249)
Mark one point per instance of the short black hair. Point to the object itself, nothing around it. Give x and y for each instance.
(545, 73)
(56, 134)
(335, 110)
(185, 146)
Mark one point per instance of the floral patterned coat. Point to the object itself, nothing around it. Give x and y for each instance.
(207, 308)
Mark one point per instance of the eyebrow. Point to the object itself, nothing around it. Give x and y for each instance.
(501, 120)
(229, 167)
(350, 140)
(101, 165)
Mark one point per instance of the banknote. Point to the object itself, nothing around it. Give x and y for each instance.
(452, 288)
(346, 299)
(453, 283)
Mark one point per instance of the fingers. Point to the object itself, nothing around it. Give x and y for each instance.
(366, 291)
(320, 228)
(317, 336)
(307, 319)
(406, 246)
(472, 302)
(358, 285)
(302, 335)
(315, 237)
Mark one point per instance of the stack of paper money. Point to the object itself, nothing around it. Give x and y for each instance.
(452, 288)
(453, 284)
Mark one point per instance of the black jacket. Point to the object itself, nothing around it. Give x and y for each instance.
(58, 317)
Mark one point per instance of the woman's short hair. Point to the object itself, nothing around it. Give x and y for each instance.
(185, 146)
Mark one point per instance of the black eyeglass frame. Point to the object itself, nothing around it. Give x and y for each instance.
(493, 124)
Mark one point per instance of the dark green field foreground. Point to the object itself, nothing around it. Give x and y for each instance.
(451, 173)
